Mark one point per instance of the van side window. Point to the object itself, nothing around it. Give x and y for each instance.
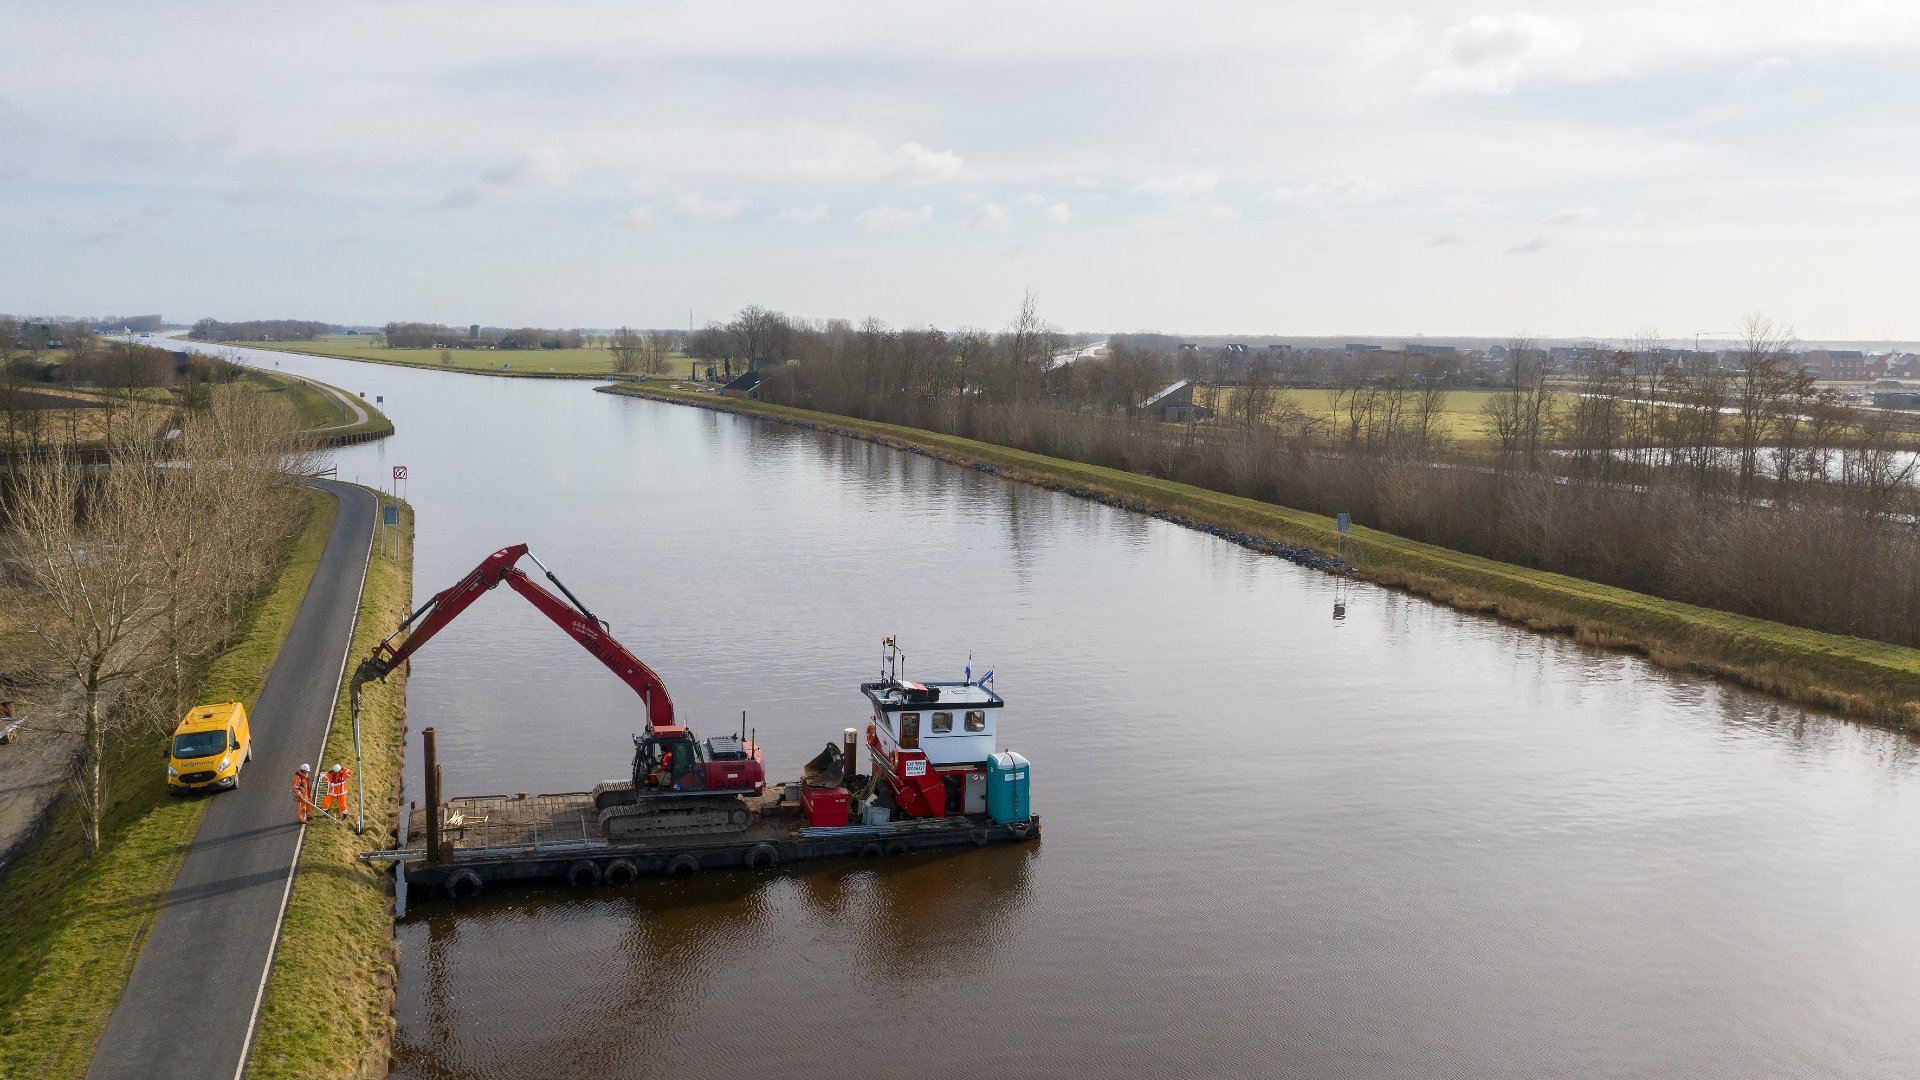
(942, 723)
(976, 720)
(233, 739)
(910, 731)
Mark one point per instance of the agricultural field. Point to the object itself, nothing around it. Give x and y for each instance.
(592, 361)
(1462, 417)
(38, 415)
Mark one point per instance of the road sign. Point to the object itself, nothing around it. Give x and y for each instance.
(389, 514)
(1345, 520)
(400, 473)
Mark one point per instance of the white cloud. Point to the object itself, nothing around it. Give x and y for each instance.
(1445, 239)
(1033, 198)
(548, 166)
(1180, 185)
(894, 217)
(990, 216)
(701, 208)
(1528, 247)
(1571, 215)
(800, 215)
(1340, 189)
(858, 159)
(1059, 213)
(1491, 54)
(640, 217)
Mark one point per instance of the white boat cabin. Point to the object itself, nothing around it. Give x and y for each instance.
(951, 723)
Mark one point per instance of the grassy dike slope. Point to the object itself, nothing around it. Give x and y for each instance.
(329, 1005)
(1866, 679)
(322, 412)
(71, 927)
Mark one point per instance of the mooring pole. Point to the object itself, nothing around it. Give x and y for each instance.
(849, 755)
(433, 797)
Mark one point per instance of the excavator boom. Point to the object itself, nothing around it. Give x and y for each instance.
(569, 615)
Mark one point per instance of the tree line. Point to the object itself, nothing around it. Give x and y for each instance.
(419, 335)
(1734, 483)
(137, 573)
(259, 330)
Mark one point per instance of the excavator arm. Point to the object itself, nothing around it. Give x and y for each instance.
(569, 615)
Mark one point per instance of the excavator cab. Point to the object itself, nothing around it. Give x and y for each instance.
(669, 760)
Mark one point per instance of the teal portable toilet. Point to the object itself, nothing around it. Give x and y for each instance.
(1007, 801)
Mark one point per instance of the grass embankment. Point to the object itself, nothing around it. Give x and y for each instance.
(321, 407)
(1866, 679)
(532, 363)
(71, 927)
(329, 1004)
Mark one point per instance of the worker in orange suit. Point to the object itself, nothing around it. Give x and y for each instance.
(336, 779)
(303, 793)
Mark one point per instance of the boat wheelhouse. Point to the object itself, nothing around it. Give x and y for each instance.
(932, 740)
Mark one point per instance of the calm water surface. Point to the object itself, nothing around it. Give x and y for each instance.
(1410, 843)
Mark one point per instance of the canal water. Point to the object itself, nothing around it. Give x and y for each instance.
(1405, 843)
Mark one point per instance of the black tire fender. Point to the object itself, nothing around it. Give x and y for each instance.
(896, 847)
(620, 872)
(1020, 828)
(763, 857)
(583, 874)
(871, 850)
(683, 863)
(463, 885)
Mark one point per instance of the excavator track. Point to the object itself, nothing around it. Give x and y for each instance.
(622, 817)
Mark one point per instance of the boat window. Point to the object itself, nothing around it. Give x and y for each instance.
(977, 720)
(910, 731)
(942, 723)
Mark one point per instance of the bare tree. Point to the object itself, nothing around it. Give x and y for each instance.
(1760, 387)
(82, 544)
(628, 348)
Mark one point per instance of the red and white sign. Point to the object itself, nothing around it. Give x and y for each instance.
(399, 472)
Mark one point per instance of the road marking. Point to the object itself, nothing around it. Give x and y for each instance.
(286, 894)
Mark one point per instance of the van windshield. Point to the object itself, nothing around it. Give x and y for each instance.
(199, 744)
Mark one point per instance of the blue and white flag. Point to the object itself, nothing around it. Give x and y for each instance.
(969, 667)
(986, 679)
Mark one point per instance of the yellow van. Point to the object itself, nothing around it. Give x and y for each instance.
(209, 747)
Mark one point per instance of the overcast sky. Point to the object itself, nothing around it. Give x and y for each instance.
(1292, 168)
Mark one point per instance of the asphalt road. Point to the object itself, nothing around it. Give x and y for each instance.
(189, 1009)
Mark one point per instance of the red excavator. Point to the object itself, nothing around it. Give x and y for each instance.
(680, 784)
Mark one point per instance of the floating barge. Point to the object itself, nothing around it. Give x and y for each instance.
(490, 839)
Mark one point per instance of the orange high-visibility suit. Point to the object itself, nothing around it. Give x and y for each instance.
(336, 789)
(302, 794)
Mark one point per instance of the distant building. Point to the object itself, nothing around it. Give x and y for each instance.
(1188, 346)
(1175, 404)
(743, 386)
(1236, 347)
(1899, 399)
(1838, 364)
(1354, 346)
(1277, 347)
(1432, 350)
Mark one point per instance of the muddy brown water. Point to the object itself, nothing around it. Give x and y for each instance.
(1407, 843)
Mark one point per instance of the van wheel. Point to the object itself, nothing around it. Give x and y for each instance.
(249, 749)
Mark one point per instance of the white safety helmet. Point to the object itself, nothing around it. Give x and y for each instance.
(306, 768)
(337, 766)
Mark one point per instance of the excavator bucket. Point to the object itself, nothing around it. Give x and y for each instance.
(826, 769)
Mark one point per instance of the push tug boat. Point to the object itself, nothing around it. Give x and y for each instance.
(938, 778)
